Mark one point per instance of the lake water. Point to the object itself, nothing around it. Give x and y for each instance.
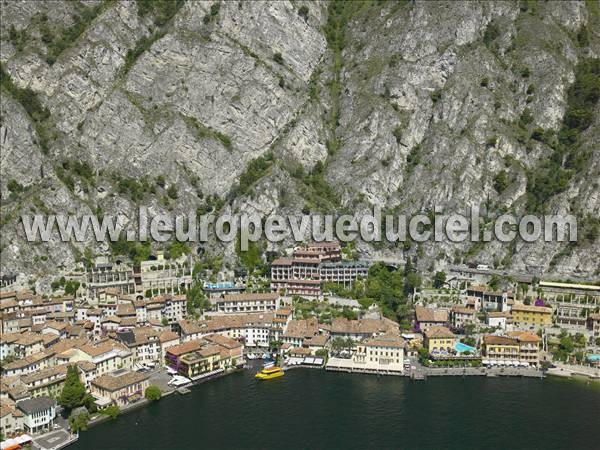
(314, 409)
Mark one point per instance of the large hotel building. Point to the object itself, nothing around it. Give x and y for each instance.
(304, 272)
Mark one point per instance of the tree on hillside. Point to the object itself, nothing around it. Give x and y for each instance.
(439, 279)
(494, 282)
(411, 282)
(196, 300)
(385, 287)
(73, 393)
(251, 258)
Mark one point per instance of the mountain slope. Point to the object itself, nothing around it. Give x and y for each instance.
(290, 106)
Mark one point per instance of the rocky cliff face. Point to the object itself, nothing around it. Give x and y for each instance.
(403, 105)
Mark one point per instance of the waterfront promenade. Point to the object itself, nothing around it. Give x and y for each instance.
(568, 370)
(420, 372)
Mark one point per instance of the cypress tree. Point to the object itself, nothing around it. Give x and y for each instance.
(73, 393)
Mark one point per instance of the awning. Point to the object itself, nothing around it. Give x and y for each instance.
(15, 443)
(179, 381)
(102, 402)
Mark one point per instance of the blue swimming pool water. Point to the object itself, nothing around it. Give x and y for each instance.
(224, 285)
(593, 357)
(461, 348)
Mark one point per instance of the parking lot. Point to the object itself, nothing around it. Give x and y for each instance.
(159, 377)
(53, 440)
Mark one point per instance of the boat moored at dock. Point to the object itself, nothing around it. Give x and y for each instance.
(270, 373)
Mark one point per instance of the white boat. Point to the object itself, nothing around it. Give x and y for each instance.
(179, 381)
(250, 356)
(269, 364)
(265, 356)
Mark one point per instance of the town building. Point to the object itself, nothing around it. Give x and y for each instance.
(500, 320)
(38, 414)
(9, 305)
(126, 311)
(144, 344)
(574, 293)
(46, 382)
(106, 274)
(254, 330)
(593, 324)
(28, 344)
(489, 300)
(428, 317)
(54, 327)
(529, 347)
(230, 348)
(570, 314)
(358, 330)
(203, 357)
(513, 348)
(303, 287)
(9, 323)
(316, 343)
(300, 330)
(11, 418)
(107, 356)
(194, 359)
(32, 363)
(309, 267)
(8, 346)
(499, 349)
(94, 316)
(439, 339)
(7, 280)
(281, 321)
(248, 303)
(571, 302)
(343, 272)
(298, 352)
(162, 276)
(190, 330)
(531, 316)
(110, 323)
(167, 339)
(462, 316)
(175, 308)
(120, 387)
(108, 300)
(380, 354)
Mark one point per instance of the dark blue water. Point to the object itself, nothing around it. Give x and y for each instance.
(314, 409)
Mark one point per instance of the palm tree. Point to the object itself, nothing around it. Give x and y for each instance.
(349, 344)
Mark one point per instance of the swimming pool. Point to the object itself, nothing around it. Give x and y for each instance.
(593, 358)
(223, 285)
(462, 348)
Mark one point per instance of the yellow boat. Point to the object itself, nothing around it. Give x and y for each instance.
(270, 373)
